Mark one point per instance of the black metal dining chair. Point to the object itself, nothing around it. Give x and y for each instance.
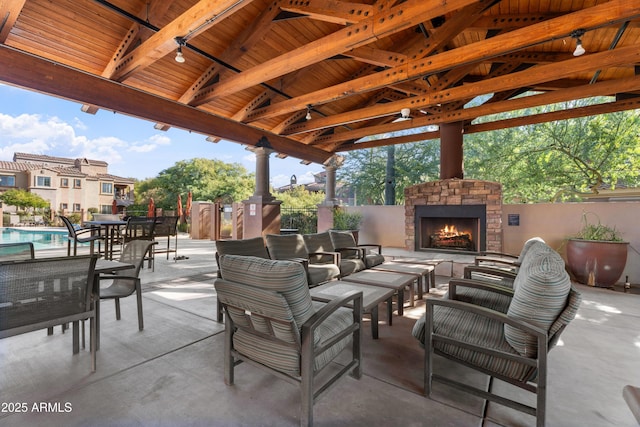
(81, 235)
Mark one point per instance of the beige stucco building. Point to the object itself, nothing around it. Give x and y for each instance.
(70, 185)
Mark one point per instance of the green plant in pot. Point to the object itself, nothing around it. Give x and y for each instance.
(597, 255)
(348, 221)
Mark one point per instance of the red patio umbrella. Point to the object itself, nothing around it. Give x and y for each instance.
(187, 212)
(179, 207)
(114, 207)
(151, 212)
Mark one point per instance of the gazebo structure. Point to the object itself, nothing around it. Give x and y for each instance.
(310, 79)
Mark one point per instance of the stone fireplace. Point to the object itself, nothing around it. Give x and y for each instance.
(454, 215)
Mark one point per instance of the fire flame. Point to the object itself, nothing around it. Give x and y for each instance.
(451, 231)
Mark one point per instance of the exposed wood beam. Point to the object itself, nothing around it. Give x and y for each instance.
(197, 95)
(509, 22)
(485, 50)
(378, 57)
(572, 113)
(604, 88)
(133, 33)
(199, 18)
(398, 18)
(42, 75)
(526, 78)
(9, 11)
(338, 12)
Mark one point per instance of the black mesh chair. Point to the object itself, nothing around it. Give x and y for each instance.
(81, 235)
(15, 251)
(167, 227)
(141, 228)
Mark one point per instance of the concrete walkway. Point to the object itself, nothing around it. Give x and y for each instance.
(171, 373)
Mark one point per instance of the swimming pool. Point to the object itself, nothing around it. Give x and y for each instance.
(41, 239)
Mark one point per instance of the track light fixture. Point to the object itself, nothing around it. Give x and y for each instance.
(180, 41)
(308, 116)
(577, 34)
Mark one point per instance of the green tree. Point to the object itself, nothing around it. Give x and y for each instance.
(557, 161)
(366, 170)
(208, 180)
(23, 199)
(299, 197)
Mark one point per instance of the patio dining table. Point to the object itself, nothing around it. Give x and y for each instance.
(110, 227)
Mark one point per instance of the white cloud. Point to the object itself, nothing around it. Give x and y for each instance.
(151, 144)
(32, 133)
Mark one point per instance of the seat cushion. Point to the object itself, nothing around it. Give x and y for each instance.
(335, 323)
(478, 330)
(286, 358)
(320, 273)
(248, 247)
(344, 239)
(371, 259)
(286, 277)
(286, 246)
(541, 289)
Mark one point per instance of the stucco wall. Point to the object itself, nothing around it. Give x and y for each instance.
(553, 222)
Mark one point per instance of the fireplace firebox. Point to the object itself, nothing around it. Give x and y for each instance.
(451, 228)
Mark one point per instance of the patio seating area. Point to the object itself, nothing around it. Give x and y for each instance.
(172, 372)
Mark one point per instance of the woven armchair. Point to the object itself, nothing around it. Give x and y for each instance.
(272, 323)
(504, 333)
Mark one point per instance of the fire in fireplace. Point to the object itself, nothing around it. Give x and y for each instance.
(451, 228)
(450, 238)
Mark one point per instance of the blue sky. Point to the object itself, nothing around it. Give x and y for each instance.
(40, 124)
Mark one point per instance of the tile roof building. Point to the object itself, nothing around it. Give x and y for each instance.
(70, 185)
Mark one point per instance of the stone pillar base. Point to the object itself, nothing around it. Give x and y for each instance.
(260, 218)
(325, 217)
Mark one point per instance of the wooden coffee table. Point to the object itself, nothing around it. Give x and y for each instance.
(387, 279)
(372, 296)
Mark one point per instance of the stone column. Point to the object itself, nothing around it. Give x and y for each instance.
(451, 159)
(261, 213)
(325, 209)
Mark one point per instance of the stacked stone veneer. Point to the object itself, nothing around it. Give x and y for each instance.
(456, 192)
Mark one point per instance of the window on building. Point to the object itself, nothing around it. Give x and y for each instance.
(76, 207)
(106, 188)
(7, 181)
(64, 182)
(43, 181)
(105, 209)
(77, 183)
(64, 206)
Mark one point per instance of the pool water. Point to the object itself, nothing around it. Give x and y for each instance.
(41, 239)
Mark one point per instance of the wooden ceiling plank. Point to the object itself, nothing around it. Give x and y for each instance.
(35, 73)
(398, 18)
(613, 11)
(241, 44)
(9, 11)
(199, 18)
(604, 88)
(338, 12)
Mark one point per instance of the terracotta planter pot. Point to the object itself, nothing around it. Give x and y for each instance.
(596, 263)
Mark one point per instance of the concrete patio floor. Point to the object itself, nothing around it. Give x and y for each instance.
(172, 372)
